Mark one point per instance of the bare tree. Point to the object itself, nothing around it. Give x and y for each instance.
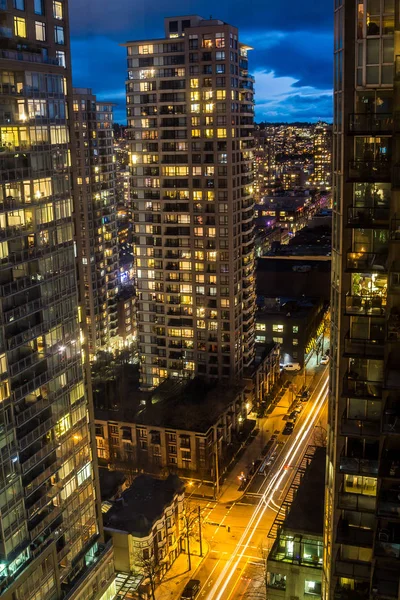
(320, 436)
(259, 587)
(191, 526)
(147, 563)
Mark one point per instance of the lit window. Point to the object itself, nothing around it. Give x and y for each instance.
(194, 83)
(277, 328)
(60, 56)
(312, 587)
(278, 340)
(19, 27)
(59, 34)
(195, 108)
(221, 94)
(221, 133)
(196, 133)
(209, 108)
(295, 329)
(295, 342)
(40, 31)
(57, 9)
(147, 49)
(261, 327)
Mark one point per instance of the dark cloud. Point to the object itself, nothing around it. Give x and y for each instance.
(291, 40)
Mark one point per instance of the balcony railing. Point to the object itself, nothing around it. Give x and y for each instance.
(371, 123)
(389, 503)
(354, 536)
(366, 262)
(356, 387)
(360, 427)
(370, 170)
(395, 229)
(371, 306)
(358, 466)
(366, 217)
(391, 416)
(357, 502)
(373, 348)
(352, 568)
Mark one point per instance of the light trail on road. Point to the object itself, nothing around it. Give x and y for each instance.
(229, 570)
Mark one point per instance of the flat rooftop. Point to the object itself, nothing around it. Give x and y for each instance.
(142, 504)
(306, 514)
(285, 306)
(193, 406)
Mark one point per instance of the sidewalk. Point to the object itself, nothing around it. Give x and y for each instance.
(177, 577)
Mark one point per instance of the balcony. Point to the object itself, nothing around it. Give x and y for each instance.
(355, 386)
(391, 416)
(368, 217)
(351, 568)
(356, 502)
(362, 427)
(389, 502)
(385, 583)
(353, 536)
(358, 466)
(371, 124)
(366, 262)
(369, 306)
(374, 171)
(387, 543)
(359, 591)
(367, 348)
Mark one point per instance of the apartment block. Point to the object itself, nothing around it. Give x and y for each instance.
(96, 196)
(50, 530)
(190, 121)
(362, 527)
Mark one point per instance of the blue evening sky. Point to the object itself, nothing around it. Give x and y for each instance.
(292, 40)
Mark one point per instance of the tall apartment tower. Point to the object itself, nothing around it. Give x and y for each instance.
(49, 519)
(322, 153)
(190, 121)
(96, 196)
(362, 524)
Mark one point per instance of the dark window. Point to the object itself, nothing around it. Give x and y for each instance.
(185, 24)
(38, 7)
(19, 4)
(173, 27)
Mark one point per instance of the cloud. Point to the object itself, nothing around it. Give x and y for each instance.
(282, 99)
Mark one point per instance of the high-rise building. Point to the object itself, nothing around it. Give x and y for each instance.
(322, 153)
(362, 527)
(96, 196)
(190, 121)
(50, 525)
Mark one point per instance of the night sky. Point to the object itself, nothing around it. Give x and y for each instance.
(292, 40)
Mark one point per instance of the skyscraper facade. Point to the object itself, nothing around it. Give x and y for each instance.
(49, 524)
(96, 198)
(190, 120)
(322, 153)
(362, 528)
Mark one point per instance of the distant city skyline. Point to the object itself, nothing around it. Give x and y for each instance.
(293, 78)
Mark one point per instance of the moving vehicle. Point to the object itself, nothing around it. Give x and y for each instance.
(325, 360)
(192, 588)
(288, 428)
(292, 367)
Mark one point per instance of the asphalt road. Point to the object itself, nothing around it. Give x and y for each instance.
(237, 531)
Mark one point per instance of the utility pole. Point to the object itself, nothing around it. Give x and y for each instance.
(200, 536)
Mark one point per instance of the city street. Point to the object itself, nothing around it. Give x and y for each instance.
(236, 526)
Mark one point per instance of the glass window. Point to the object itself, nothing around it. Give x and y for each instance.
(295, 342)
(278, 328)
(60, 55)
(40, 31)
(19, 4)
(295, 329)
(38, 7)
(19, 27)
(312, 587)
(57, 9)
(59, 34)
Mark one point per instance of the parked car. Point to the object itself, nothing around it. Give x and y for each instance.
(288, 428)
(192, 588)
(293, 415)
(292, 367)
(325, 360)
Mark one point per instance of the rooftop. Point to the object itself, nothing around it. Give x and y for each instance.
(143, 504)
(306, 515)
(285, 306)
(193, 406)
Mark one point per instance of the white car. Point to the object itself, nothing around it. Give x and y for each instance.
(292, 367)
(324, 360)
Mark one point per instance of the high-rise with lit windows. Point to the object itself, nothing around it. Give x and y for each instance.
(190, 122)
(362, 523)
(50, 530)
(96, 197)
